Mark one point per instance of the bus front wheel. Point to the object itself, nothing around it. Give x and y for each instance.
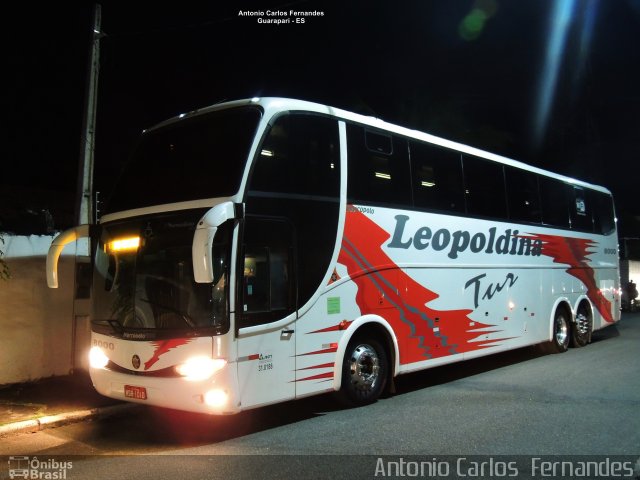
(365, 370)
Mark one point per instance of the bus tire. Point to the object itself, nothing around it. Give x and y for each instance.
(365, 370)
(581, 329)
(561, 331)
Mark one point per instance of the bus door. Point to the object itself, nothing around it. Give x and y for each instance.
(266, 311)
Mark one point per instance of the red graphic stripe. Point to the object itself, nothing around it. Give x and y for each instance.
(574, 252)
(320, 376)
(343, 325)
(318, 352)
(423, 332)
(324, 365)
(248, 358)
(163, 347)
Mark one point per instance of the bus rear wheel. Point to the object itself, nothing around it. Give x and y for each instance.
(561, 332)
(581, 329)
(365, 370)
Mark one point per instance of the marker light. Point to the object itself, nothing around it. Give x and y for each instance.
(216, 398)
(200, 368)
(97, 358)
(129, 244)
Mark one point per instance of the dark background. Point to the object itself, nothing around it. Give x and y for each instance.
(553, 83)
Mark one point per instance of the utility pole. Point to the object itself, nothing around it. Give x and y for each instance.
(84, 211)
(84, 205)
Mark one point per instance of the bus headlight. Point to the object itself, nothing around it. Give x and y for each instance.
(97, 358)
(200, 368)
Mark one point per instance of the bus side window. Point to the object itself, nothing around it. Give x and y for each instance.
(523, 195)
(437, 178)
(603, 213)
(554, 198)
(300, 155)
(256, 279)
(296, 175)
(580, 209)
(378, 167)
(484, 187)
(267, 286)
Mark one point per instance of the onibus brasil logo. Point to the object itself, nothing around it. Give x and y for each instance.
(34, 468)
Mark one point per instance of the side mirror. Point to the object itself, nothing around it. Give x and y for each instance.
(55, 250)
(202, 247)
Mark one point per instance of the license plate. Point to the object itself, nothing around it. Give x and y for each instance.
(137, 393)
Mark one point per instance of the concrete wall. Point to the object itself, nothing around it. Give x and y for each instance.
(36, 323)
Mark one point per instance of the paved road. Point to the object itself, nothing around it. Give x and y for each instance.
(583, 402)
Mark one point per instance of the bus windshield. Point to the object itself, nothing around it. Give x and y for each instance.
(143, 278)
(197, 158)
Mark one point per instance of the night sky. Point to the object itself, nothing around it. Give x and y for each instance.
(553, 83)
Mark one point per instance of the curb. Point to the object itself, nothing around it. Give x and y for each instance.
(52, 421)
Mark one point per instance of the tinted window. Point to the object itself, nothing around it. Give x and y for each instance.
(200, 157)
(150, 285)
(554, 200)
(300, 154)
(522, 195)
(603, 213)
(436, 174)
(580, 210)
(268, 287)
(484, 187)
(378, 167)
(297, 177)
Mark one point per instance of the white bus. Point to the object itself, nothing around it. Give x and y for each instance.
(268, 249)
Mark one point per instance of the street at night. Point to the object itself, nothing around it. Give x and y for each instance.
(583, 402)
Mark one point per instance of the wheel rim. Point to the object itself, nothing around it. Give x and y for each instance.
(582, 323)
(364, 367)
(562, 330)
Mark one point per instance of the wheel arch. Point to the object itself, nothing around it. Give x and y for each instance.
(380, 329)
(583, 300)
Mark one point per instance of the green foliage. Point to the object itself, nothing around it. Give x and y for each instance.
(5, 273)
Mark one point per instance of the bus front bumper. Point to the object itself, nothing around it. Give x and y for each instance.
(216, 395)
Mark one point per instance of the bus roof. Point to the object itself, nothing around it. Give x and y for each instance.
(276, 104)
